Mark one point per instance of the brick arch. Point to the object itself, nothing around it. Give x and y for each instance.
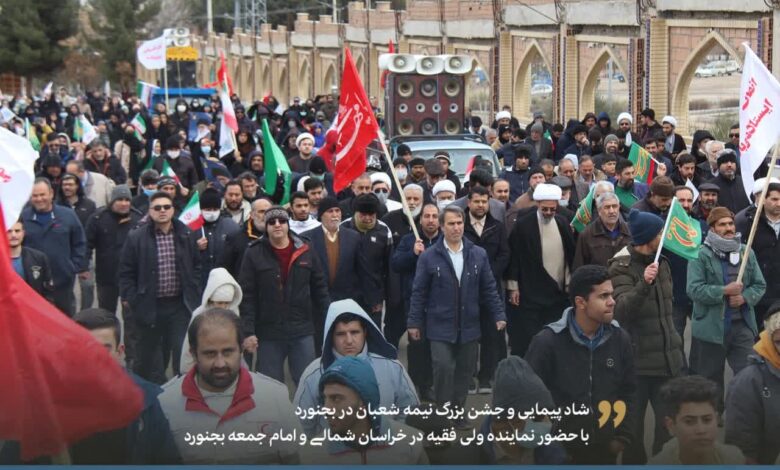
(683, 84)
(521, 102)
(360, 63)
(265, 80)
(588, 92)
(330, 78)
(304, 80)
(281, 94)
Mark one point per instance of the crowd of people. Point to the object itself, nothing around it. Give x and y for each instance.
(496, 291)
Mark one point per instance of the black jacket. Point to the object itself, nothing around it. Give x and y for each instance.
(398, 223)
(375, 248)
(106, 234)
(110, 167)
(235, 246)
(271, 310)
(84, 208)
(217, 234)
(351, 272)
(537, 289)
(37, 273)
(182, 166)
(766, 246)
(494, 241)
(732, 193)
(576, 374)
(138, 271)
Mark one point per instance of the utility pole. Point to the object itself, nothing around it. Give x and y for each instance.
(209, 17)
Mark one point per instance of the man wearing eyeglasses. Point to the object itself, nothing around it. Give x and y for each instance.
(159, 279)
(542, 251)
(285, 298)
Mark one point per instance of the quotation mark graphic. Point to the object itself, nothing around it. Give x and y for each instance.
(605, 408)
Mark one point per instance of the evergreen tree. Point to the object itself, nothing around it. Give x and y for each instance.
(30, 34)
(117, 24)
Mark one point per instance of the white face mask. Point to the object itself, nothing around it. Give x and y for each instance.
(174, 153)
(382, 197)
(210, 216)
(206, 149)
(402, 173)
(181, 108)
(564, 202)
(444, 203)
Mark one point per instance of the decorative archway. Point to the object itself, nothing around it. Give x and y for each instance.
(281, 92)
(521, 102)
(330, 78)
(360, 65)
(304, 80)
(683, 84)
(265, 81)
(588, 94)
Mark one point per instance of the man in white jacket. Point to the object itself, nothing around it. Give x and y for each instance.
(349, 331)
(218, 410)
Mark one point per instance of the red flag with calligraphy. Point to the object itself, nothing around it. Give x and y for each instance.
(357, 127)
(60, 385)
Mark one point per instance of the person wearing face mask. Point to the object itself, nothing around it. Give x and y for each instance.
(380, 186)
(443, 193)
(180, 119)
(375, 246)
(211, 238)
(518, 387)
(183, 167)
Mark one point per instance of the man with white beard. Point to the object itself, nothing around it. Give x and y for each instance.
(542, 250)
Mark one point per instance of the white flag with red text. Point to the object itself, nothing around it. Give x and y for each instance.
(759, 116)
(17, 159)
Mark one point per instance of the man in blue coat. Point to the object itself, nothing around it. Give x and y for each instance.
(452, 284)
(57, 232)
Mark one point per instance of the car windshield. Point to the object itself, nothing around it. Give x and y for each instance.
(460, 159)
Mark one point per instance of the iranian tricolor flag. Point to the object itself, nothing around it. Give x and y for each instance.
(228, 113)
(191, 215)
(139, 124)
(168, 171)
(144, 91)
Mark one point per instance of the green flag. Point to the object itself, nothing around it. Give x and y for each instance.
(547, 135)
(78, 130)
(683, 233)
(625, 196)
(275, 165)
(584, 213)
(644, 163)
(32, 135)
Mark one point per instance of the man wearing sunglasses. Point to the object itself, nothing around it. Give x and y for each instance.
(159, 278)
(285, 298)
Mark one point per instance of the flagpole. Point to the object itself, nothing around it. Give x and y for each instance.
(398, 184)
(759, 208)
(666, 227)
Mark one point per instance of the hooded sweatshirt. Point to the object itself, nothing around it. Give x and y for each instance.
(722, 454)
(217, 277)
(395, 386)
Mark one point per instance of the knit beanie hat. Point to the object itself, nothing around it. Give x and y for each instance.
(517, 386)
(326, 204)
(772, 322)
(356, 374)
(121, 192)
(210, 199)
(610, 138)
(718, 213)
(644, 226)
